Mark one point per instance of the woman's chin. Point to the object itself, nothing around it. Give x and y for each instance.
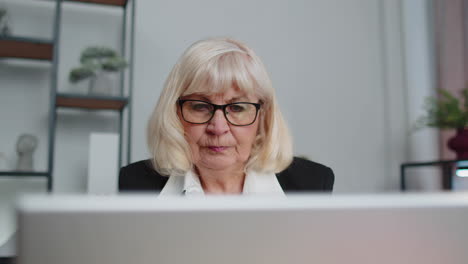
(218, 163)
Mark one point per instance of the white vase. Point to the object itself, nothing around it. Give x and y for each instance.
(100, 84)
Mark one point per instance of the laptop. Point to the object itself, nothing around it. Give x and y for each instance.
(390, 228)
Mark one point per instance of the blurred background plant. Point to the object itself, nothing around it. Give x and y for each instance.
(95, 60)
(447, 111)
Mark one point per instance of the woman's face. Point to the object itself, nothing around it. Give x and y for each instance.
(219, 145)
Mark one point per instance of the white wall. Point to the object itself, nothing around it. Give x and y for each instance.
(421, 83)
(326, 60)
(338, 68)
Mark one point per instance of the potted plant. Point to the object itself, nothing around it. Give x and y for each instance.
(450, 112)
(95, 62)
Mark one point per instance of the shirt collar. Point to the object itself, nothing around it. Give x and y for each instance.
(262, 183)
(192, 184)
(254, 183)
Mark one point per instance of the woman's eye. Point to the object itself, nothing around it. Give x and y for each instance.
(236, 108)
(200, 107)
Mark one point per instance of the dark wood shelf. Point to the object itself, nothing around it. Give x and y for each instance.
(103, 2)
(25, 173)
(26, 48)
(91, 102)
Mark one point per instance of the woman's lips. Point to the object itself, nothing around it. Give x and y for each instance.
(217, 148)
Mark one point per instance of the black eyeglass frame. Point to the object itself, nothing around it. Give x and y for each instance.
(221, 107)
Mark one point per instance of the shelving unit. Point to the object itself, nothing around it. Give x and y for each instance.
(14, 47)
(48, 50)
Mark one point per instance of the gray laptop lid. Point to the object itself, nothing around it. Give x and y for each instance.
(416, 229)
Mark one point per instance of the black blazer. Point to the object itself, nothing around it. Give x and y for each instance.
(301, 176)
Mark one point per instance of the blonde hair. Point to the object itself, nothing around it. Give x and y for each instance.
(212, 66)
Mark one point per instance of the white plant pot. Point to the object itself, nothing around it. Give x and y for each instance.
(101, 84)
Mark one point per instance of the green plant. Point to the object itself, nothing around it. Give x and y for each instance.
(447, 111)
(94, 60)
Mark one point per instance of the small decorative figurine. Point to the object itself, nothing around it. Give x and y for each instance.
(5, 28)
(25, 147)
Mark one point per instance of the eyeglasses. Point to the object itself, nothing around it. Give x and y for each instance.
(201, 112)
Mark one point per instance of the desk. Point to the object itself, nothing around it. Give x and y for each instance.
(447, 171)
(7, 260)
(7, 251)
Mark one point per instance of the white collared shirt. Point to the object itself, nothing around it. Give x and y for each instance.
(254, 183)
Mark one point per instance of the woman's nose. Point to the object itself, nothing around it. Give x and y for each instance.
(218, 125)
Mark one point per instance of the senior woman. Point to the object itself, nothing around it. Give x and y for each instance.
(217, 129)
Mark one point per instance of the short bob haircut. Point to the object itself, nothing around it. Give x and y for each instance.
(212, 66)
